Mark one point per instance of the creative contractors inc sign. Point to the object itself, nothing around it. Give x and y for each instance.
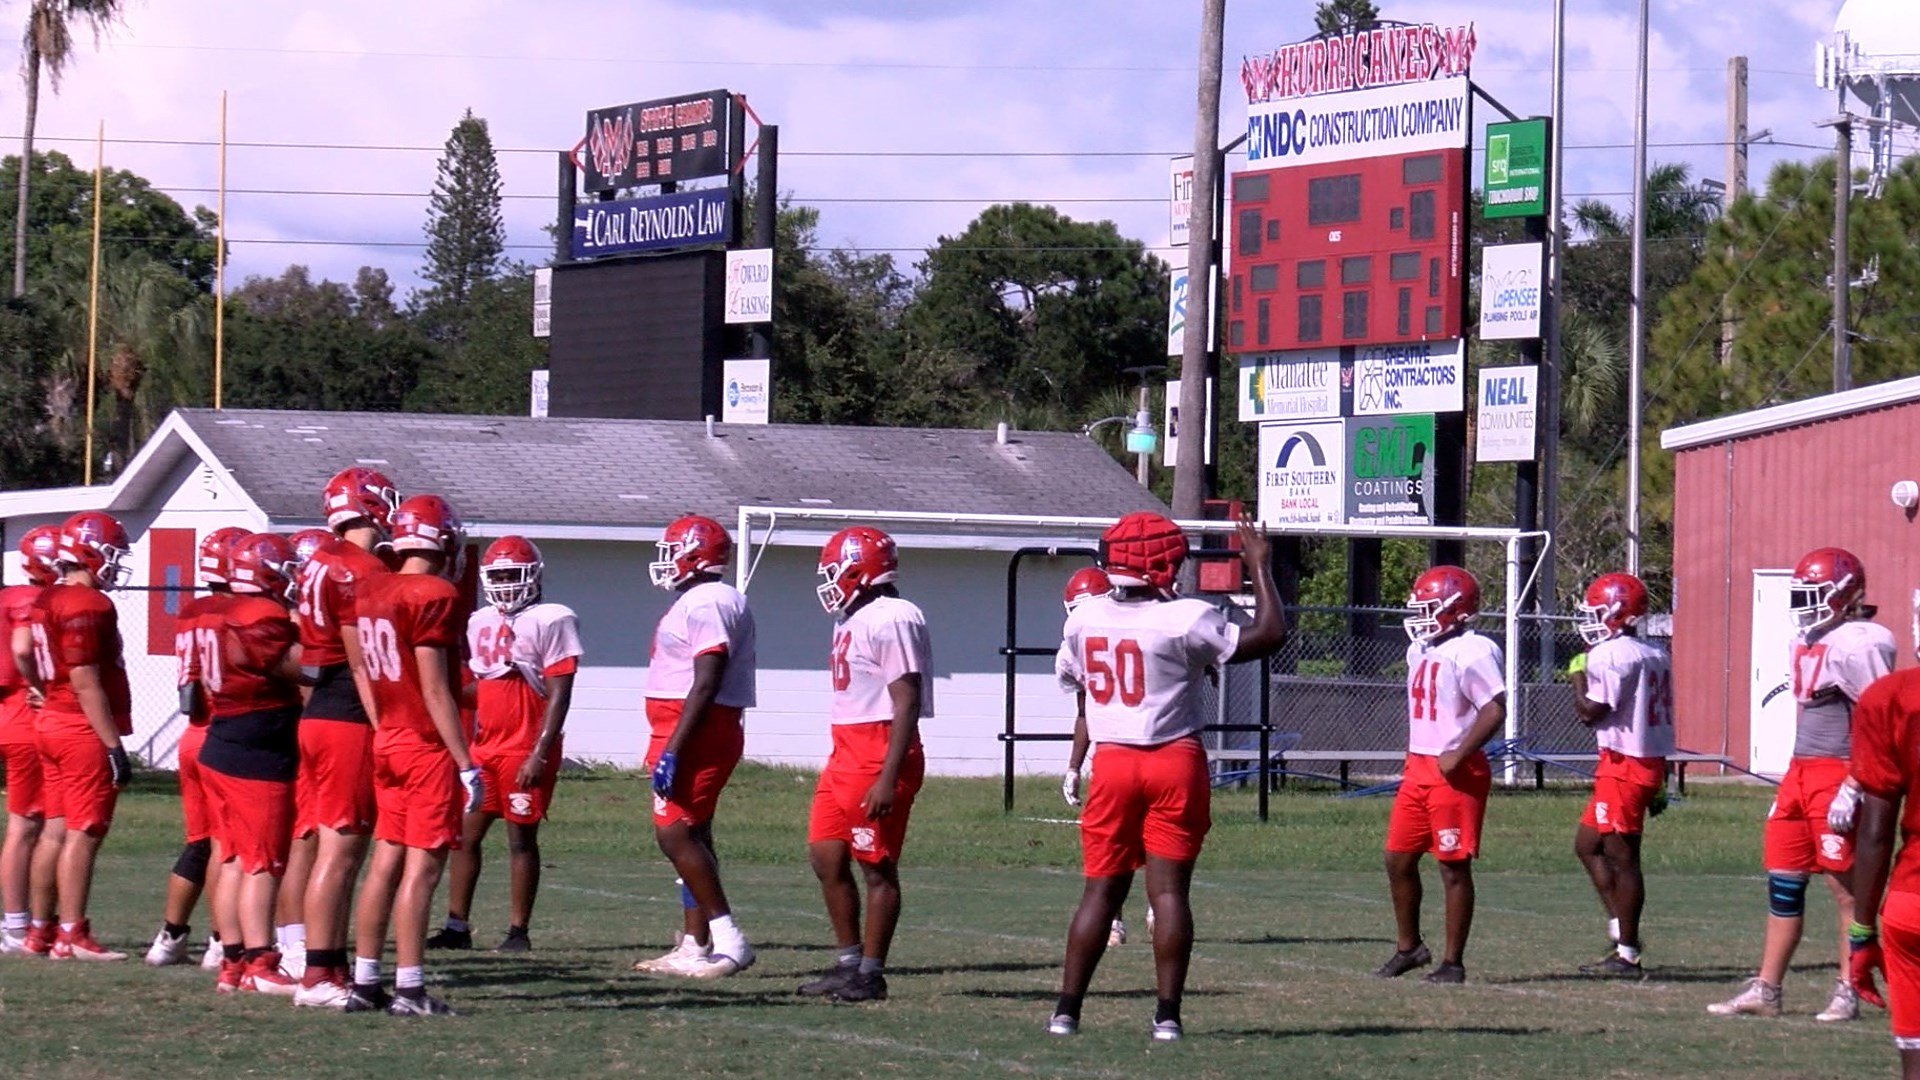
(1423, 377)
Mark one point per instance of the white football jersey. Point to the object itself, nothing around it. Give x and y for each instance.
(1141, 663)
(529, 643)
(1832, 667)
(1633, 678)
(1447, 684)
(711, 616)
(885, 640)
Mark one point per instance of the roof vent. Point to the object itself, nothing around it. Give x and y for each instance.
(1000, 433)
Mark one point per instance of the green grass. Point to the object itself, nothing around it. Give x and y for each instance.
(1291, 915)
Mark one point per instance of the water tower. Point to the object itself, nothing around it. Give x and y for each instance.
(1875, 55)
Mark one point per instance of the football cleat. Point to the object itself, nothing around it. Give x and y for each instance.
(1757, 998)
(674, 961)
(40, 940)
(717, 966)
(79, 945)
(369, 997)
(14, 944)
(264, 976)
(1843, 1006)
(1062, 1024)
(516, 941)
(294, 963)
(329, 993)
(1446, 974)
(449, 938)
(423, 1005)
(230, 976)
(1167, 1031)
(829, 981)
(1117, 933)
(168, 950)
(1614, 966)
(862, 987)
(210, 960)
(1403, 961)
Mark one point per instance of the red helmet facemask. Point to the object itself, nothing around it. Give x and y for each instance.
(98, 543)
(1084, 585)
(426, 524)
(1443, 600)
(510, 574)
(39, 549)
(692, 545)
(854, 561)
(1614, 603)
(1826, 586)
(263, 564)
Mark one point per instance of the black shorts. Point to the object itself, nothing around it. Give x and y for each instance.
(334, 696)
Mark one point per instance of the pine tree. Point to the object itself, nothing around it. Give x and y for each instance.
(466, 236)
(1339, 16)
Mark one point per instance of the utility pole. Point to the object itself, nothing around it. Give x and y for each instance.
(1189, 470)
(1842, 268)
(1736, 187)
(1637, 351)
(1547, 593)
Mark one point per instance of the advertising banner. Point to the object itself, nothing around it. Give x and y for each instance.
(1516, 169)
(1177, 306)
(1504, 421)
(1403, 119)
(747, 396)
(1510, 278)
(1179, 198)
(1299, 385)
(543, 302)
(1170, 421)
(1302, 470)
(538, 395)
(660, 141)
(653, 223)
(1390, 470)
(1428, 377)
(749, 296)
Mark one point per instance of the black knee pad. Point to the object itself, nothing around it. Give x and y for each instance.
(193, 860)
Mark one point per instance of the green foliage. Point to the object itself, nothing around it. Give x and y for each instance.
(30, 455)
(296, 344)
(135, 219)
(466, 234)
(489, 368)
(1338, 16)
(835, 320)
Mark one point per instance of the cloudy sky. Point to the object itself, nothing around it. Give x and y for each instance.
(899, 119)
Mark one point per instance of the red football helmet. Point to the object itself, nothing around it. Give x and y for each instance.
(691, 545)
(215, 551)
(427, 523)
(1143, 549)
(263, 563)
(510, 574)
(96, 542)
(856, 559)
(1443, 599)
(1826, 585)
(1084, 585)
(360, 492)
(1613, 603)
(39, 547)
(306, 542)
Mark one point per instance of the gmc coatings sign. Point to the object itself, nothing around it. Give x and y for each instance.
(1390, 470)
(1387, 120)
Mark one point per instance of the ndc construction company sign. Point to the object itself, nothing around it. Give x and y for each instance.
(1390, 470)
(653, 223)
(1302, 470)
(1388, 120)
(1516, 169)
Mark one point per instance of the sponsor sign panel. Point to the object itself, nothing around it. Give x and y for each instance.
(1506, 415)
(1427, 377)
(1177, 307)
(1302, 473)
(1299, 385)
(1510, 280)
(747, 393)
(1170, 420)
(749, 296)
(1408, 118)
(538, 397)
(1179, 198)
(1389, 478)
(1516, 169)
(1358, 59)
(660, 141)
(543, 302)
(654, 223)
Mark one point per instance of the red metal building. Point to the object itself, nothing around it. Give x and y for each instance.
(1752, 493)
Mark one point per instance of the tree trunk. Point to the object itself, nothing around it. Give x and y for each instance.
(32, 79)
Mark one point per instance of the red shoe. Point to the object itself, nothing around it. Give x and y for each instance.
(40, 940)
(79, 945)
(229, 979)
(263, 976)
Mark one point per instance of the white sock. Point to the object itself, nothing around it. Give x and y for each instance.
(292, 937)
(16, 922)
(366, 972)
(692, 945)
(407, 978)
(726, 936)
(67, 927)
(1628, 953)
(39, 924)
(848, 957)
(1613, 930)
(458, 926)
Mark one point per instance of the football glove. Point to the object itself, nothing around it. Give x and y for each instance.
(1658, 804)
(471, 784)
(1845, 804)
(1863, 959)
(1070, 788)
(663, 771)
(121, 766)
(1578, 664)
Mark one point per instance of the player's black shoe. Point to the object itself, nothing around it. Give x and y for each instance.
(1446, 975)
(449, 938)
(829, 981)
(1403, 961)
(1614, 967)
(516, 941)
(862, 987)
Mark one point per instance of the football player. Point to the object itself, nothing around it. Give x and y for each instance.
(1456, 700)
(1838, 653)
(249, 665)
(194, 868)
(700, 680)
(1140, 656)
(333, 793)
(880, 668)
(1886, 765)
(289, 926)
(20, 747)
(86, 709)
(1623, 690)
(523, 653)
(424, 778)
(1085, 584)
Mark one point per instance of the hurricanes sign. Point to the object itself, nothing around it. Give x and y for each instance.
(1358, 60)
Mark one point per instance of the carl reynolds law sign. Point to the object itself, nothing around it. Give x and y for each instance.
(654, 223)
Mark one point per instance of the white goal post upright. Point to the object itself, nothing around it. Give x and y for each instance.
(759, 523)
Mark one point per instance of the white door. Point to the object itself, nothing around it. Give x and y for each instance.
(1770, 701)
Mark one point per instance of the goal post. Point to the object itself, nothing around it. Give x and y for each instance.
(758, 527)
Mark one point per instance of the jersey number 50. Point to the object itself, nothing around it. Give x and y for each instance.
(1125, 674)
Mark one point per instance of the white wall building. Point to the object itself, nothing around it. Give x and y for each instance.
(595, 494)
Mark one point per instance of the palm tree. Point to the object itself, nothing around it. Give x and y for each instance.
(1676, 208)
(48, 42)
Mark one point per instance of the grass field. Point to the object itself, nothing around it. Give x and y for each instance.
(1291, 916)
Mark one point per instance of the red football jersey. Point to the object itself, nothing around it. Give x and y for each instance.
(328, 583)
(1886, 740)
(16, 609)
(195, 633)
(251, 634)
(395, 614)
(75, 626)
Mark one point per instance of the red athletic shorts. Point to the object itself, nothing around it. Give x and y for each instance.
(194, 811)
(1440, 814)
(705, 764)
(252, 820)
(1797, 837)
(1623, 787)
(501, 794)
(1900, 941)
(20, 750)
(1145, 800)
(334, 788)
(416, 786)
(78, 782)
(859, 752)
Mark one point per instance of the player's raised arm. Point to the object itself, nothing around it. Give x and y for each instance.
(1269, 629)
